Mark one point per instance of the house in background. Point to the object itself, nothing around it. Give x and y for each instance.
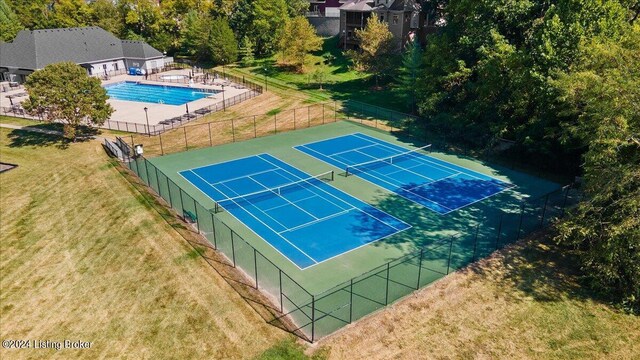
(324, 15)
(93, 48)
(406, 19)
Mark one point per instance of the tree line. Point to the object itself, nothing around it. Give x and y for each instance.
(213, 31)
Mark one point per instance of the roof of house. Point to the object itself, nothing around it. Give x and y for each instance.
(34, 49)
(357, 5)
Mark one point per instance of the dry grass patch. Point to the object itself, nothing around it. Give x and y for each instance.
(85, 257)
(524, 302)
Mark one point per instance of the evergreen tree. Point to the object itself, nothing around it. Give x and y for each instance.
(222, 42)
(9, 23)
(195, 36)
(247, 51)
(409, 73)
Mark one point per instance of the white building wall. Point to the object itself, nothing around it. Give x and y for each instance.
(107, 67)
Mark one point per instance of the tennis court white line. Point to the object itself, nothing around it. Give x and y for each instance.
(279, 206)
(251, 229)
(318, 220)
(220, 163)
(402, 168)
(467, 172)
(433, 182)
(350, 150)
(241, 177)
(285, 199)
(322, 155)
(269, 227)
(315, 187)
(232, 199)
(378, 185)
(345, 201)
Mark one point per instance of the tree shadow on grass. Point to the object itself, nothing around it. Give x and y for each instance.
(26, 137)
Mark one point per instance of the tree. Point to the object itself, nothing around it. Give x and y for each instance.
(320, 73)
(376, 48)
(247, 51)
(65, 92)
(409, 72)
(261, 21)
(9, 23)
(222, 42)
(602, 92)
(297, 7)
(104, 13)
(196, 32)
(297, 40)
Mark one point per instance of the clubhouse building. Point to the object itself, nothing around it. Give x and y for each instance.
(92, 47)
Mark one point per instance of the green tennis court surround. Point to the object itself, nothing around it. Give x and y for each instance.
(341, 289)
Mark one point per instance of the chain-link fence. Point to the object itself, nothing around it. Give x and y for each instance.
(316, 315)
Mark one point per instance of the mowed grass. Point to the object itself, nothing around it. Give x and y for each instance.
(84, 257)
(524, 302)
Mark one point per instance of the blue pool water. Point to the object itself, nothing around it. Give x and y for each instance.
(157, 94)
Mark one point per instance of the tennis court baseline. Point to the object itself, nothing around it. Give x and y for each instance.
(304, 218)
(436, 184)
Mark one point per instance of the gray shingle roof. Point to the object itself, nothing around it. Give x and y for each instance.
(34, 49)
(139, 50)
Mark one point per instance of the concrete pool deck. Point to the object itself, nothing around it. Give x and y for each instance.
(133, 111)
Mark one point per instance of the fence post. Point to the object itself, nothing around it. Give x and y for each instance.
(255, 265)
(146, 170)
(275, 123)
(161, 149)
(313, 317)
(213, 226)
(280, 279)
(181, 203)
(255, 131)
(475, 243)
(210, 138)
(351, 301)
(420, 268)
(233, 249)
(233, 131)
(386, 291)
(294, 118)
(322, 113)
(335, 111)
(499, 231)
(186, 146)
(309, 114)
(158, 182)
(450, 253)
(544, 210)
(564, 202)
(520, 222)
(195, 206)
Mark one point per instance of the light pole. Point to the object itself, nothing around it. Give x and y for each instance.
(146, 114)
(265, 78)
(344, 35)
(224, 107)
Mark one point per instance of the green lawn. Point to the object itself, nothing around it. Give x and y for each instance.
(342, 82)
(86, 255)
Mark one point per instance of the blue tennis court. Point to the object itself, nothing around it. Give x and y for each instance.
(302, 217)
(436, 184)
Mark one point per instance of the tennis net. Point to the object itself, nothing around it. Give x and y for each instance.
(372, 164)
(280, 190)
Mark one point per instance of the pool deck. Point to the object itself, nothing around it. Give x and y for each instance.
(133, 111)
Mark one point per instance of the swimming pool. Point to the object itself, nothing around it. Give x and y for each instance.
(157, 94)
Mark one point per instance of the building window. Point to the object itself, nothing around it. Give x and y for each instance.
(381, 18)
(115, 66)
(104, 67)
(395, 19)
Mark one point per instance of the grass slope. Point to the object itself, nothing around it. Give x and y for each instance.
(84, 257)
(524, 302)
